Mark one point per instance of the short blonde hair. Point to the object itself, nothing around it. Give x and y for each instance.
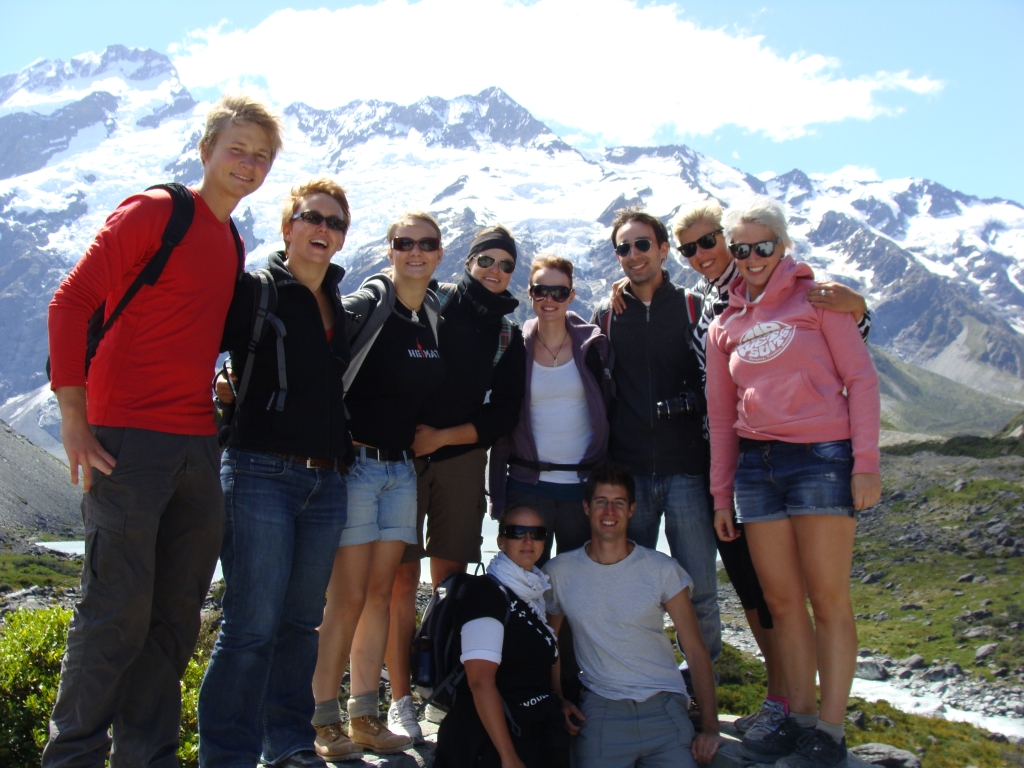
(237, 109)
(709, 211)
(314, 186)
(763, 210)
(550, 261)
(413, 217)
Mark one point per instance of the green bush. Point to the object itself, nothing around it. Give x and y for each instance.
(31, 646)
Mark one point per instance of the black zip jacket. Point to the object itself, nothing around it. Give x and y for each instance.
(312, 422)
(468, 340)
(654, 361)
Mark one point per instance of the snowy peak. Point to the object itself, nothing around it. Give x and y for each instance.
(465, 122)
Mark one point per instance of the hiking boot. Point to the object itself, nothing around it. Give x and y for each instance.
(767, 743)
(333, 744)
(772, 710)
(371, 734)
(816, 750)
(402, 719)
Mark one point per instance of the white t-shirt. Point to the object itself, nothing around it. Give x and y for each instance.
(559, 418)
(617, 616)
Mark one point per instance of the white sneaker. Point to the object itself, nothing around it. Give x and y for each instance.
(402, 719)
(434, 714)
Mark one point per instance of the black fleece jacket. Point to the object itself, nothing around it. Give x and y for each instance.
(654, 361)
(312, 422)
(468, 340)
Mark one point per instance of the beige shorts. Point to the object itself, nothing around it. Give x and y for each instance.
(450, 497)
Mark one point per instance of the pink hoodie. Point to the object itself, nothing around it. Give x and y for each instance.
(776, 370)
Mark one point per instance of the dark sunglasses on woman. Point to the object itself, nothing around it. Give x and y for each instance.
(706, 243)
(642, 244)
(315, 219)
(486, 262)
(536, 532)
(426, 244)
(742, 251)
(557, 292)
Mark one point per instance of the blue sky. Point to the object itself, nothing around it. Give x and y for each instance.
(906, 88)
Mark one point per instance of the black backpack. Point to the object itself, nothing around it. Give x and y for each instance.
(175, 231)
(434, 654)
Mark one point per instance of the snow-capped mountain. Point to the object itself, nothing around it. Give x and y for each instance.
(943, 270)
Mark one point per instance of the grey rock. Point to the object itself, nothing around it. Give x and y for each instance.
(913, 662)
(886, 755)
(869, 669)
(934, 674)
(882, 616)
(856, 719)
(965, 578)
(985, 651)
(883, 720)
(980, 631)
(871, 578)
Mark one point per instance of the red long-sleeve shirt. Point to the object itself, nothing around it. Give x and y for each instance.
(153, 368)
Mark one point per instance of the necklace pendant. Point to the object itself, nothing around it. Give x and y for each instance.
(415, 317)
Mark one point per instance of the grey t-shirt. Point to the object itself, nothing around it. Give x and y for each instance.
(617, 614)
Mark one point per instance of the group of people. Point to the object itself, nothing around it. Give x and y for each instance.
(746, 408)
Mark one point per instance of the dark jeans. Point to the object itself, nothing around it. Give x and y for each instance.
(281, 530)
(153, 532)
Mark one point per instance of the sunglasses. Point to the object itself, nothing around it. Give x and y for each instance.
(315, 219)
(536, 532)
(426, 244)
(486, 262)
(764, 249)
(706, 243)
(557, 292)
(642, 244)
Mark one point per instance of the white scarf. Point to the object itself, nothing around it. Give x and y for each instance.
(528, 585)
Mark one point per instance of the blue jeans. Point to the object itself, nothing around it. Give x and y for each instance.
(683, 500)
(282, 523)
(381, 502)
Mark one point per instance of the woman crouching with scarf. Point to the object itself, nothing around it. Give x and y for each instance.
(508, 665)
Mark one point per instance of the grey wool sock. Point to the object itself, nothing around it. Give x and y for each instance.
(805, 721)
(837, 732)
(363, 705)
(326, 712)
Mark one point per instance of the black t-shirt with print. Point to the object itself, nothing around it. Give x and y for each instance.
(401, 371)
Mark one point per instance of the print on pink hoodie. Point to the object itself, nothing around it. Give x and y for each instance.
(773, 375)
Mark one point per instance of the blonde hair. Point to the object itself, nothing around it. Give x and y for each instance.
(413, 217)
(763, 210)
(551, 261)
(709, 211)
(314, 186)
(239, 109)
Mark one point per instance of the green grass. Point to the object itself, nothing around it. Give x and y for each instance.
(21, 571)
(962, 445)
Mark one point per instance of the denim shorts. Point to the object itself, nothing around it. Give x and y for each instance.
(381, 502)
(776, 480)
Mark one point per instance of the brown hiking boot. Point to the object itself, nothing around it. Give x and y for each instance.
(332, 743)
(371, 734)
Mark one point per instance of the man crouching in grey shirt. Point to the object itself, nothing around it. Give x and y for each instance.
(615, 593)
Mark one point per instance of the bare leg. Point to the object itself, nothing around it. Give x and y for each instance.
(765, 639)
(776, 556)
(403, 627)
(441, 568)
(826, 554)
(371, 635)
(346, 595)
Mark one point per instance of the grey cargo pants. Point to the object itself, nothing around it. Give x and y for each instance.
(153, 533)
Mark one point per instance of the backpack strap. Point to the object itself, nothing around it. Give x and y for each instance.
(368, 325)
(694, 306)
(239, 247)
(266, 305)
(175, 231)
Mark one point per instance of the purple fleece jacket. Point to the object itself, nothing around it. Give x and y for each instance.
(520, 443)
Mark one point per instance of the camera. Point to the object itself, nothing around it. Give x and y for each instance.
(686, 405)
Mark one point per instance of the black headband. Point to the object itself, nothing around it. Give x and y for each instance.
(493, 239)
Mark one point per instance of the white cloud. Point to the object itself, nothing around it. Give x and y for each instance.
(604, 70)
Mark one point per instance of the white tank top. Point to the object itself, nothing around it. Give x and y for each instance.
(559, 418)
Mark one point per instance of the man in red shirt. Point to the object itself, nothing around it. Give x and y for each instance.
(141, 429)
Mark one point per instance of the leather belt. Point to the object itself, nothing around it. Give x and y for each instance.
(383, 454)
(311, 463)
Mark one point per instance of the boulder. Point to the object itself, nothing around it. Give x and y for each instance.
(985, 651)
(965, 577)
(871, 578)
(869, 669)
(856, 719)
(887, 755)
(913, 662)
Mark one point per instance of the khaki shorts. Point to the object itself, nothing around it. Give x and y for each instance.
(450, 497)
